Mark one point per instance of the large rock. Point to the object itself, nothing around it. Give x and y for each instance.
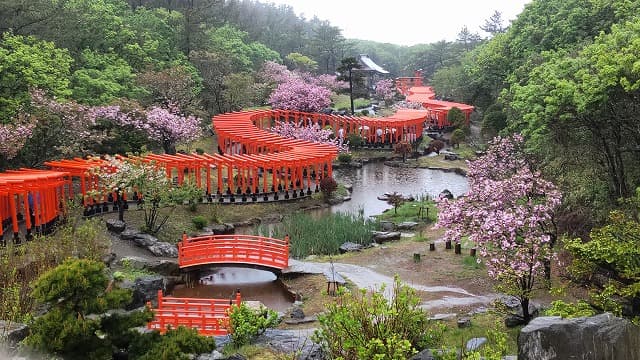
(116, 226)
(386, 226)
(15, 332)
(349, 247)
(145, 240)
(162, 267)
(383, 236)
(144, 289)
(407, 225)
(220, 229)
(600, 337)
(129, 234)
(163, 249)
(425, 354)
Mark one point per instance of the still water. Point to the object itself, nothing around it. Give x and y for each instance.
(221, 283)
(375, 179)
(369, 182)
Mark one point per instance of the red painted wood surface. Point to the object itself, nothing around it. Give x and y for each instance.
(234, 249)
(208, 316)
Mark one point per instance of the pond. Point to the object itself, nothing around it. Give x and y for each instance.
(221, 283)
(375, 179)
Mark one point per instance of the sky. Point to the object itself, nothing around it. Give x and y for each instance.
(405, 22)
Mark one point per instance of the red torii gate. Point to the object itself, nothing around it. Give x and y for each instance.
(38, 196)
(248, 154)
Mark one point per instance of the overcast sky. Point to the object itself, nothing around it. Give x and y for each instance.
(405, 22)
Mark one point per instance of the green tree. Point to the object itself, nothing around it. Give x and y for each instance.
(614, 250)
(26, 62)
(238, 91)
(103, 78)
(456, 118)
(301, 62)
(244, 55)
(74, 290)
(458, 136)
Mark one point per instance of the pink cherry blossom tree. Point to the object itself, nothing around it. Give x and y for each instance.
(508, 213)
(296, 94)
(165, 126)
(295, 90)
(385, 90)
(311, 133)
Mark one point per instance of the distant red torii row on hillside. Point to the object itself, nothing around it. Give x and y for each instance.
(248, 153)
(413, 89)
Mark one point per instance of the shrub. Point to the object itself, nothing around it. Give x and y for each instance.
(199, 222)
(457, 137)
(364, 112)
(344, 158)
(435, 146)
(175, 344)
(368, 326)
(569, 310)
(403, 148)
(247, 323)
(355, 140)
(73, 290)
(327, 186)
(199, 151)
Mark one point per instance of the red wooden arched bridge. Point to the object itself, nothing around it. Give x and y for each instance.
(236, 250)
(208, 316)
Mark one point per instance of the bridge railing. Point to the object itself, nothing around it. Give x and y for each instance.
(234, 249)
(208, 316)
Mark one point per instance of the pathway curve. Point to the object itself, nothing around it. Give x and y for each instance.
(365, 278)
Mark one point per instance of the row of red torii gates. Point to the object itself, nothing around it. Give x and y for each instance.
(251, 161)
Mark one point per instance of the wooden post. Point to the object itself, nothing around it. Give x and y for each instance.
(447, 244)
(432, 247)
(458, 249)
(238, 298)
(472, 252)
(416, 257)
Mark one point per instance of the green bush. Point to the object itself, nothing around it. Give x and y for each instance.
(247, 323)
(569, 310)
(355, 141)
(368, 326)
(345, 158)
(199, 222)
(73, 290)
(175, 344)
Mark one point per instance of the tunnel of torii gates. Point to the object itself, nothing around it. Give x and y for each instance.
(252, 162)
(414, 91)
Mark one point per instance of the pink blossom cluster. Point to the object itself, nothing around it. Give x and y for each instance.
(506, 213)
(311, 133)
(385, 90)
(13, 137)
(296, 94)
(300, 91)
(77, 123)
(407, 105)
(160, 124)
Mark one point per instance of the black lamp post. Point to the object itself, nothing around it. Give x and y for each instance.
(351, 91)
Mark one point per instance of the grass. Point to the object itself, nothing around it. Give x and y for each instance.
(438, 162)
(455, 337)
(324, 235)
(424, 211)
(342, 101)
